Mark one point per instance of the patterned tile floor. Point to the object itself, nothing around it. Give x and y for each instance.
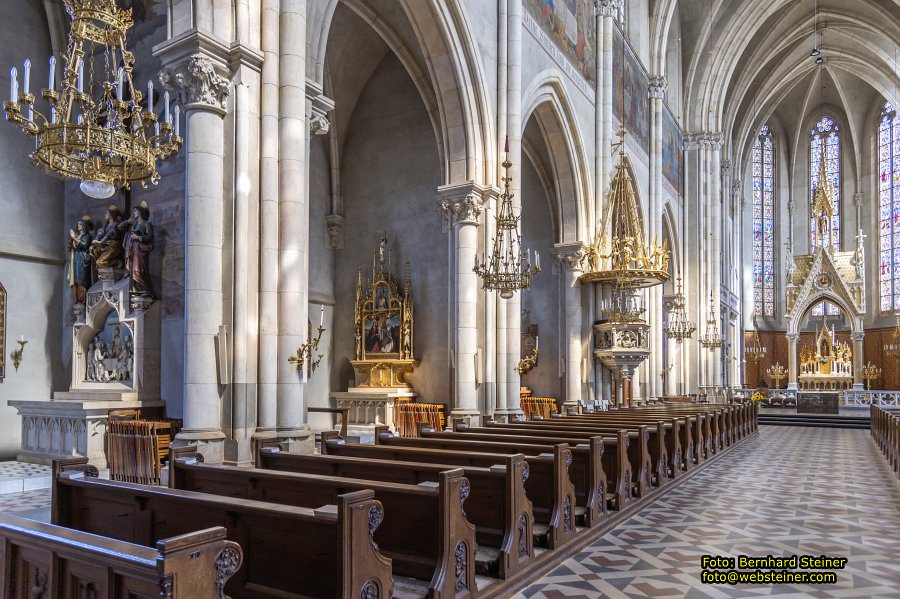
(789, 490)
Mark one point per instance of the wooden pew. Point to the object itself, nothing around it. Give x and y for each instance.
(497, 503)
(692, 441)
(885, 427)
(44, 560)
(288, 551)
(648, 457)
(573, 512)
(668, 461)
(426, 533)
(547, 486)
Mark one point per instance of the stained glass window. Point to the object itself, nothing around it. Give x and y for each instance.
(764, 223)
(889, 202)
(825, 136)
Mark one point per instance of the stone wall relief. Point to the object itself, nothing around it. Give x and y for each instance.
(110, 354)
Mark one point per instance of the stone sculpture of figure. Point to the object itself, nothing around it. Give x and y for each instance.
(116, 343)
(80, 273)
(106, 248)
(123, 368)
(822, 221)
(99, 356)
(138, 245)
(91, 374)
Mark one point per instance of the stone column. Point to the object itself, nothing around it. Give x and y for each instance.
(268, 244)
(462, 206)
(201, 88)
(514, 131)
(569, 257)
(293, 218)
(792, 360)
(858, 362)
(658, 88)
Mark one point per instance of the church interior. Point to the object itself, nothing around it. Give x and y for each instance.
(449, 298)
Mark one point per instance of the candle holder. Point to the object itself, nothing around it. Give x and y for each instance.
(528, 362)
(777, 373)
(304, 352)
(17, 354)
(871, 373)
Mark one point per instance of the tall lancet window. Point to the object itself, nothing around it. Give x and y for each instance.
(889, 195)
(825, 137)
(764, 223)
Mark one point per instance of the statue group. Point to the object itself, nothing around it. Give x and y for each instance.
(117, 244)
(108, 362)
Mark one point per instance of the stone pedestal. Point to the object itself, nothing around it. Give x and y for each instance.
(370, 407)
(809, 402)
(71, 424)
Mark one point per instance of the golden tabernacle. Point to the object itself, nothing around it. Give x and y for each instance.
(383, 325)
(828, 367)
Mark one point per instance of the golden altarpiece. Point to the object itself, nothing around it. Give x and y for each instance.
(826, 274)
(383, 332)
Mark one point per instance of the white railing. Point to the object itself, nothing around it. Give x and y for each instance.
(864, 399)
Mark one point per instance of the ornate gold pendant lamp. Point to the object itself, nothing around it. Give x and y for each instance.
(95, 129)
(507, 269)
(711, 339)
(678, 326)
(892, 347)
(755, 351)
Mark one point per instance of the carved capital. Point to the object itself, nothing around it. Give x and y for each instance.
(607, 8)
(793, 337)
(319, 107)
(334, 227)
(858, 336)
(570, 256)
(318, 124)
(196, 84)
(658, 87)
(462, 204)
(726, 167)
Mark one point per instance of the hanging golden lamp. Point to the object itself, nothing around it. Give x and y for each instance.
(755, 351)
(678, 326)
(507, 269)
(711, 339)
(620, 254)
(95, 130)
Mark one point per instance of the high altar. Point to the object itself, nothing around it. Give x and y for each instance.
(827, 368)
(383, 344)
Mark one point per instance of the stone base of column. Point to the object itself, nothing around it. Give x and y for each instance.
(571, 408)
(210, 443)
(468, 417)
(793, 387)
(507, 415)
(298, 440)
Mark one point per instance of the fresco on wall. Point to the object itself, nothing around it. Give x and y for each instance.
(672, 151)
(634, 100)
(570, 24)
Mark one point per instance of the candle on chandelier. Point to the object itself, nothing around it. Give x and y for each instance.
(150, 96)
(177, 120)
(120, 87)
(156, 128)
(26, 76)
(322, 317)
(14, 85)
(81, 76)
(537, 342)
(51, 81)
(537, 260)
(166, 108)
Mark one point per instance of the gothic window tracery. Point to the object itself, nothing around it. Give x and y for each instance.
(889, 212)
(764, 223)
(825, 137)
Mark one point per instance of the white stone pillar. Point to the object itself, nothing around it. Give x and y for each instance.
(792, 360)
(268, 244)
(658, 88)
(857, 338)
(462, 207)
(203, 92)
(293, 217)
(569, 257)
(514, 131)
(715, 252)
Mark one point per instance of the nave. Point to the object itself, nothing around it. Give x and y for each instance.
(788, 490)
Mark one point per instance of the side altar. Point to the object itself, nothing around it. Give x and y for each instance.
(383, 345)
(115, 356)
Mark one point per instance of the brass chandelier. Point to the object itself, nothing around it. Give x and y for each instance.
(507, 269)
(711, 339)
(95, 130)
(756, 351)
(678, 325)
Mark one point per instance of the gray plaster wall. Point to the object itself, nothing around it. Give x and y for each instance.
(31, 234)
(390, 172)
(542, 300)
